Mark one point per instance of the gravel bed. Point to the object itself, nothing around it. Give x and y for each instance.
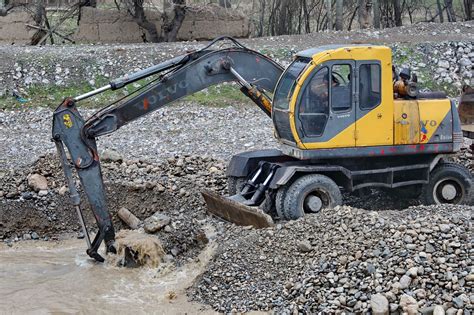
(184, 128)
(337, 261)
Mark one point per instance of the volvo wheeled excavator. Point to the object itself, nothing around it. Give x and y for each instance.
(342, 125)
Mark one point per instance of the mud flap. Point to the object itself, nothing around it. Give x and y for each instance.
(236, 212)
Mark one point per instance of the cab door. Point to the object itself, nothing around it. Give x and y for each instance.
(326, 115)
(374, 105)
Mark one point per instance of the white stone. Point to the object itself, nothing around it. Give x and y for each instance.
(37, 182)
(443, 64)
(379, 304)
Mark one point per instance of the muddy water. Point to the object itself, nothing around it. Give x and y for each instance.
(56, 278)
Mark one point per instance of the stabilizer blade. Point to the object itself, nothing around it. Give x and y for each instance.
(236, 212)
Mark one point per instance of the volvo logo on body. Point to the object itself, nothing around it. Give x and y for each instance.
(167, 92)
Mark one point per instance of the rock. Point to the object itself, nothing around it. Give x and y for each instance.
(34, 236)
(413, 271)
(408, 304)
(458, 302)
(429, 248)
(420, 293)
(27, 195)
(304, 246)
(443, 64)
(444, 228)
(111, 155)
(451, 311)
(37, 182)
(379, 304)
(427, 310)
(405, 282)
(26, 236)
(42, 193)
(438, 310)
(62, 190)
(393, 307)
(465, 62)
(156, 222)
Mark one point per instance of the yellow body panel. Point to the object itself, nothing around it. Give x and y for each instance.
(432, 113)
(406, 119)
(374, 128)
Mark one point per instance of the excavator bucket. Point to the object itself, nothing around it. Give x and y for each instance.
(229, 209)
(466, 111)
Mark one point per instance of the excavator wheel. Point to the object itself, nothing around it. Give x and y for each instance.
(280, 200)
(309, 194)
(449, 183)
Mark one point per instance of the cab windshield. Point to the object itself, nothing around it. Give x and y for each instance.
(287, 83)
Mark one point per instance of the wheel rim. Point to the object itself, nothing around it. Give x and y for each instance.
(315, 201)
(448, 190)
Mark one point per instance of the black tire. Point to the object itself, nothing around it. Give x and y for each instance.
(268, 204)
(309, 186)
(235, 184)
(449, 183)
(279, 201)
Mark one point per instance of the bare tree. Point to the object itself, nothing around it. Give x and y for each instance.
(225, 3)
(364, 7)
(261, 20)
(376, 9)
(450, 10)
(440, 11)
(39, 16)
(468, 9)
(136, 9)
(171, 25)
(397, 12)
(329, 13)
(172, 18)
(339, 15)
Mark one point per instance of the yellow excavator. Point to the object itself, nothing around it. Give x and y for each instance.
(345, 120)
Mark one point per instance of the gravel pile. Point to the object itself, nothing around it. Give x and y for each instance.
(343, 260)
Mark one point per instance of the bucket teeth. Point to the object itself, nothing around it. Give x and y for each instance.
(235, 212)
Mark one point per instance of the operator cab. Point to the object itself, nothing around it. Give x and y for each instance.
(325, 90)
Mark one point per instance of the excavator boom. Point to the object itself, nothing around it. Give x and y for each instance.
(180, 76)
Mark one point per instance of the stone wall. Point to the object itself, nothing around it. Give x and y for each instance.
(13, 28)
(111, 26)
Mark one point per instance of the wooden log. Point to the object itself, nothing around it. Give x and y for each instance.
(129, 218)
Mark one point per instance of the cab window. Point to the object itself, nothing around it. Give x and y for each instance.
(286, 86)
(341, 87)
(314, 105)
(369, 86)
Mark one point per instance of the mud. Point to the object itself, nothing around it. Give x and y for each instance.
(144, 249)
(58, 277)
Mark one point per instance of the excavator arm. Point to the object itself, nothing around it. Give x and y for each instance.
(183, 75)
